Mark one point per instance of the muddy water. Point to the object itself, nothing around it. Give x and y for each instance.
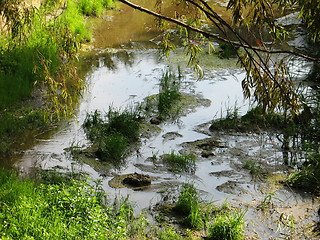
(124, 69)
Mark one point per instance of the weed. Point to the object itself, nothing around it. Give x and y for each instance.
(180, 163)
(268, 201)
(228, 226)
(253, 166)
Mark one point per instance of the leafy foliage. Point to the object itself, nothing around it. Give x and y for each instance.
(310, 13)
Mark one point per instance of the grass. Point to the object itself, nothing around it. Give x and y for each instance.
(45, 38)
(55, 211)
(188, 205)
(227, 226)
(168, 94)
(69, 210)
(113, 133)
(308, 176)
(64, 208)
(255, 119)
(180, 162)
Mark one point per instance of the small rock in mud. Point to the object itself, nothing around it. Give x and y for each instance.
(224, 173)
(133, 180)
(207, 144)
(155, 121)
(232, 187)
(207, 154)
(171, 136)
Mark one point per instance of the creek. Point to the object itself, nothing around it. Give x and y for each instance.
(122, 68)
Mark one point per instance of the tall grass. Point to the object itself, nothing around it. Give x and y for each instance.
(62, 211)
(227, 226)
(188, 205)
(168, 94)
(180, 162)
(69, 210)
(113, 133)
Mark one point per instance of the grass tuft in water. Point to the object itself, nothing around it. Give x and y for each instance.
(180, 162)
(168, 94)
(253, 166)
(113, 133)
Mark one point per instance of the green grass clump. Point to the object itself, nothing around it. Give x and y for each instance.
(113, 133)
(308, 176)
(93, 7)
(227, 226)
(56, 211)
(180, 162)
(188, 205)
(168, 95)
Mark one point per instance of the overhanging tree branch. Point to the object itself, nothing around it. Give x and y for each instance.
(215, 36)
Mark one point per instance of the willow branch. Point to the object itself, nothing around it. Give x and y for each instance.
(215, 36)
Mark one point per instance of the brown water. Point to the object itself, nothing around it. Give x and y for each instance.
(122, 70)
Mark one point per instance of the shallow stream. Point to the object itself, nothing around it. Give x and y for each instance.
(123, 72)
